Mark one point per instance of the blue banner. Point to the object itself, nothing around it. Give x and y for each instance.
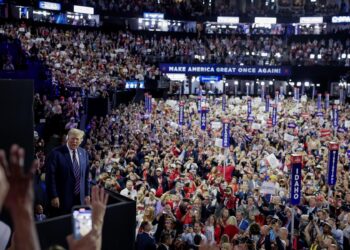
(181, 114)
(225, 133)
(296, 94)
(249, 106)
(146, 102)
(274, 115)
(267, 104)
(332, 163)
(224, 103)
(295, 187)
(199, 103)
(335, 116)
(203, 118)
(149, 104)
(233, 70)
(250, 118)
(326, 101)
(319, 100)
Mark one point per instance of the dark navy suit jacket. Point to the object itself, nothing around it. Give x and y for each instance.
(145, 242)
(60, 177)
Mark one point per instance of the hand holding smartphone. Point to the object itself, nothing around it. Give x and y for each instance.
(82, 221)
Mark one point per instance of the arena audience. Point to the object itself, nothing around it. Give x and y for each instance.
(174, 174)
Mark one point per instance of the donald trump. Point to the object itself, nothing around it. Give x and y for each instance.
(67, 173)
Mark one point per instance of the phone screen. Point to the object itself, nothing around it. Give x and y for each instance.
(82, 221)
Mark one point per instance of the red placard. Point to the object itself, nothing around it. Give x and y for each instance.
(333, 146)
(297, 158)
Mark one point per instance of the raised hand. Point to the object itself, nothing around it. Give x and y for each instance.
(21, 191)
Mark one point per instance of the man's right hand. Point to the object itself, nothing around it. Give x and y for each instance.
(55, 202)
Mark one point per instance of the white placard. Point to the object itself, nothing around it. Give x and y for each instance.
(260, 117)
(272, 160)
(171, 103)
(287, 137)
(268, 188)
(174, 125)
(216, 125)
(256, 126)
(347, 124)
(262, 109)
(303, 98)
(218, 142)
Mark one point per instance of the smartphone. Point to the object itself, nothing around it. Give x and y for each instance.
(82, 221)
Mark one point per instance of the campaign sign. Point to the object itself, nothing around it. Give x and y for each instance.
(298, 94)
(199, 103)
(335, 116)
(295, 190)
(181, 113)
(225, 133)
(319, 100)
(146, 101)
(274, 115)
(224, 103)
(295, 92)
(203, 118)
(226, 69)
(249, 106)
(333, 148)
(267, 104)
(326, 101)
(149, 104)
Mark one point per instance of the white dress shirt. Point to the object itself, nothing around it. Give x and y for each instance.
(71, 154)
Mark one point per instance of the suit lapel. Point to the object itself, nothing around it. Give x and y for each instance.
(68, 160)
(81, 161)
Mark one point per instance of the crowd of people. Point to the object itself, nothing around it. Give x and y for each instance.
(96, 62)
(190, 191)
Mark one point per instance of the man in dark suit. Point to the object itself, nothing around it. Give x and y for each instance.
(165, 242)
(144, 240)
(67, 173)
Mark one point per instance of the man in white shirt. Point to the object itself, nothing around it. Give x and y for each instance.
(197, 229)
(129, 191)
